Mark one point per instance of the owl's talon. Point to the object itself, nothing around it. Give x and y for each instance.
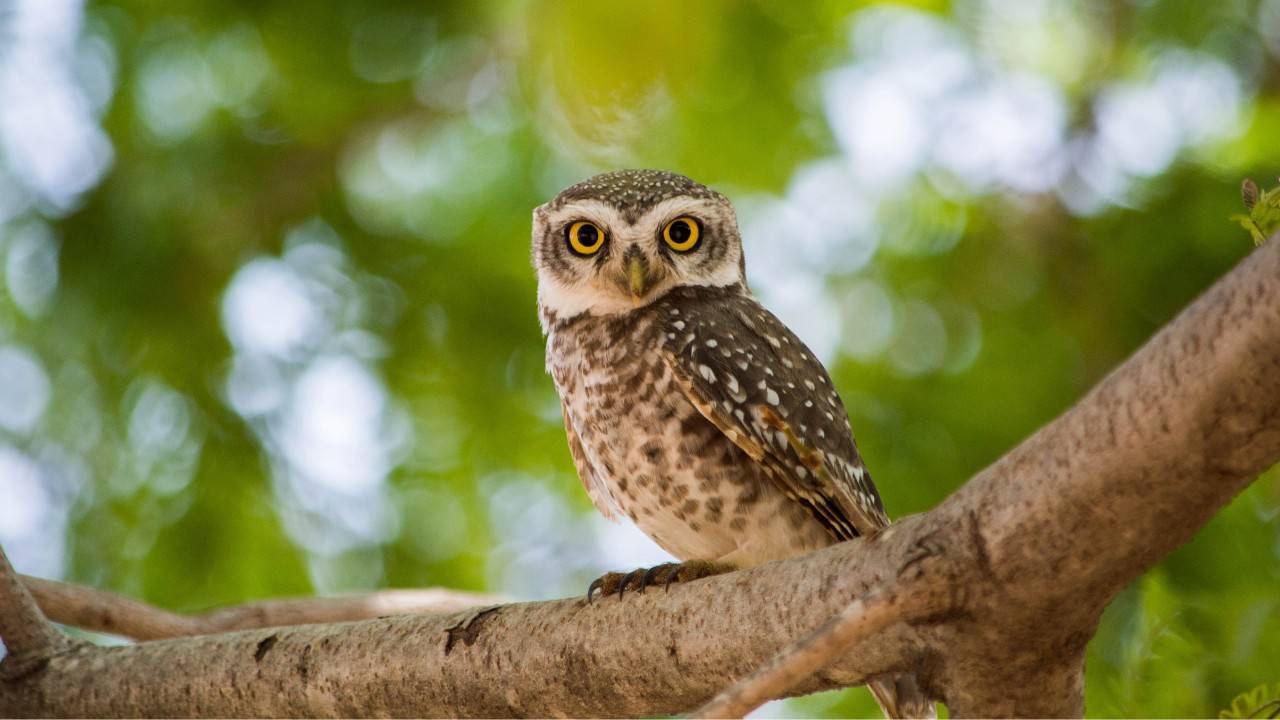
(612, 583)
(666, 574)
(631, 579)
(607, 584)
(652, 572)
(672, 576)
(696, 570)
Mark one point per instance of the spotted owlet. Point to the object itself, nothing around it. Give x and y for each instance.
(689, 407)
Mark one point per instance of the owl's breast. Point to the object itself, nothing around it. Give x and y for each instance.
(616, 390)
(658, 459)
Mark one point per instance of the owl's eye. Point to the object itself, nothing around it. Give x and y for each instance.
(584, 238)
(682, 234)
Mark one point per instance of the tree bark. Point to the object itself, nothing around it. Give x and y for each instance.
(107, 612)
(1019, 564)
(28, 638)
(860, 620)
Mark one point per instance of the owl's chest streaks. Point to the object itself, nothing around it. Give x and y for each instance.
(617, 396)
(654, 454)
(598, 371)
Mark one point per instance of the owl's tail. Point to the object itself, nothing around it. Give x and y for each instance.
(901, 697)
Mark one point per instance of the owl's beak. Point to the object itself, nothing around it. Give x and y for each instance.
(638, 275)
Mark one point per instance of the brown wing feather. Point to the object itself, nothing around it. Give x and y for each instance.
(756, 382)
(832, 517)
(596, 488)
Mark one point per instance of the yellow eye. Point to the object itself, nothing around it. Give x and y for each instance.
(585, 238)
(682, 234)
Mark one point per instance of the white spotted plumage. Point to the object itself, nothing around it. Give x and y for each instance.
(718, 353)
(689, 407)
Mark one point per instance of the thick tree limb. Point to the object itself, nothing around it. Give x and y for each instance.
(541, 659)
(107, 612)
(860, 620)
(1089, 502)
(1028, 554)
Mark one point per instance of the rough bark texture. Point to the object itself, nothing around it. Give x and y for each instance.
(107, 612)
(551, 658)
(859, 620)
(1022, 561)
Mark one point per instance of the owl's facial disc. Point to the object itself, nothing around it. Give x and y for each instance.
(597, 256)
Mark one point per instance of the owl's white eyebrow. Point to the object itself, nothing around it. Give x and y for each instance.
(608, 216)
(599, 212)
(675, 207)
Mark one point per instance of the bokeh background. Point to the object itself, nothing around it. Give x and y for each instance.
(267, 317)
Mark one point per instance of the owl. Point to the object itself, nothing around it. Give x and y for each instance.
(690, 408)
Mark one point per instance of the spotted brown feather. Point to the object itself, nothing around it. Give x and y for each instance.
(754, 379)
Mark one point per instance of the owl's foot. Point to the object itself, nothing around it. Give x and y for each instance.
(617, 583)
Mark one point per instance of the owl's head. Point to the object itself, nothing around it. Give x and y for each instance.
(621, 240)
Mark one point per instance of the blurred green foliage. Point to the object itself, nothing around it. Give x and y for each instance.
(269, 327)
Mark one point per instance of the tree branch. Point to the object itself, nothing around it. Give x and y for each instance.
(861, 619)
(661, 652)
(1027, 554)
(107, 612)
(29, 639)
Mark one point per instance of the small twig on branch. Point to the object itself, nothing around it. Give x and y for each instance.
(107, 612)
(28, 637)
(860, 619)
